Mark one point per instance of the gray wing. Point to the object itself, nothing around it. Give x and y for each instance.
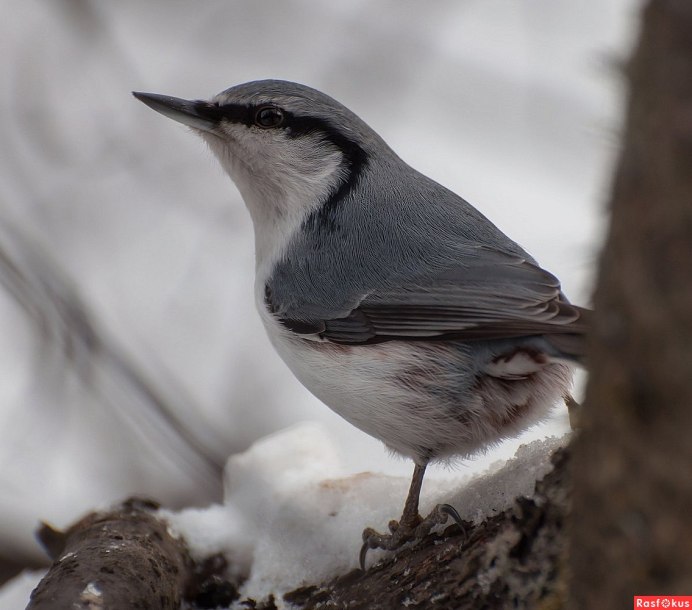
(493, 296)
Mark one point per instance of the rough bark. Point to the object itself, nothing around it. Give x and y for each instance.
(123, 559)
(631, 529)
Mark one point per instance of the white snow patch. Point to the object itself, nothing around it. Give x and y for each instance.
(258, 484)
(496, 489)
(291, 518)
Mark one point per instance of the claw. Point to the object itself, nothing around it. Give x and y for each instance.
(410, 527)
(450, 511)
(402, 534)
(371, 539)
(361, 557)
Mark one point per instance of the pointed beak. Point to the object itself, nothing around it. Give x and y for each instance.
(193, 113)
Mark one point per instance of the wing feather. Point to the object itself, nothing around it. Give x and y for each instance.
(493, 296)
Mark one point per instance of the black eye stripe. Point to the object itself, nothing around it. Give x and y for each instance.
(295, 126)
(247, 115)
(243, 114)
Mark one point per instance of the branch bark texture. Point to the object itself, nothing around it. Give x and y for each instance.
(123, 559)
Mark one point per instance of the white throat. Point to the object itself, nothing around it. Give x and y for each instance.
(281, 183)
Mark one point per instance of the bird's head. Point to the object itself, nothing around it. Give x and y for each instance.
(288, 148)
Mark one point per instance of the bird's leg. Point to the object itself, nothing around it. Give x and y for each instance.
(574, 409)
(411, 526)
(410, 517)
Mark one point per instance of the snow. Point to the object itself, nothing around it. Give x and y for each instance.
(292, 516)
(313, 532)
(512, 105)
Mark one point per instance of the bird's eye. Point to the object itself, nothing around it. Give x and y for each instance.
(269, 116)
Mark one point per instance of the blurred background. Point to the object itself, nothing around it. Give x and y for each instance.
(131, 358)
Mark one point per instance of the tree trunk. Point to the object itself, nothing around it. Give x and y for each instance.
(631, 528)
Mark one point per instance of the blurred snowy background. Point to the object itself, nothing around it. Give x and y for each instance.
(131, 359)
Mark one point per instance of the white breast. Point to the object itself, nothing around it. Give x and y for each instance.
(423, 400)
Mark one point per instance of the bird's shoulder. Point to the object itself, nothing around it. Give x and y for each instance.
(414, 242)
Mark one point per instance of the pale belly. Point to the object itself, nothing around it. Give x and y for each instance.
(424, 400)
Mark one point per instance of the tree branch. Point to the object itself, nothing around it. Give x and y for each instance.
(115, 560)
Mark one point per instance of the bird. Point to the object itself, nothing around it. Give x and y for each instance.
(392, 299)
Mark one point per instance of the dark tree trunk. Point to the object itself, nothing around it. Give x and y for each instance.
(632, 517)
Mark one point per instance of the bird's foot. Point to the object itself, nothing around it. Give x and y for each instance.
(402, 532)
